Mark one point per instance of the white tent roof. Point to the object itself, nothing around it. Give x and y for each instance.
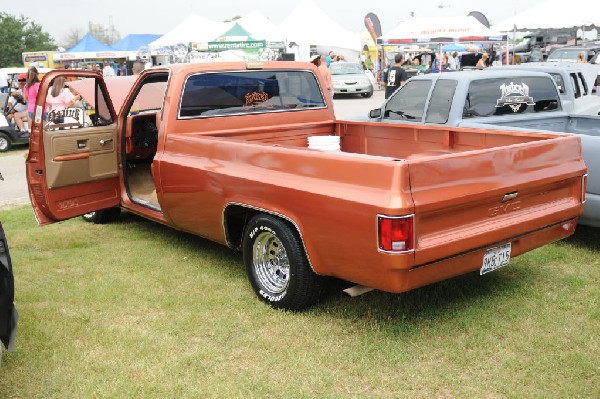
(553, 14)
(193, 29)
(260, 27)
(310, 25)
(439, 30)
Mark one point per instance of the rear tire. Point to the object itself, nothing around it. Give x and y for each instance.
(103, 216)
(5, 142)
(277, 265)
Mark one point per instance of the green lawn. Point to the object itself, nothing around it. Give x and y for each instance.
(138, 310)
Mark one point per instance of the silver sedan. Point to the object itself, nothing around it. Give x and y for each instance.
(350, 78)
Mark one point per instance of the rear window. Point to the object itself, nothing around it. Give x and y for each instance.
(504, 96)
(248, 92)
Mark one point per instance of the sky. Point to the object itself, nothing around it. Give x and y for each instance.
(59, 17)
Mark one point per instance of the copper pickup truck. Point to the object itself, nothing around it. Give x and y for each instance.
(221, 150)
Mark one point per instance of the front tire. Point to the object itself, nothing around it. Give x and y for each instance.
(278, 267)
(367, 94)
(5, 142)
(103, 216)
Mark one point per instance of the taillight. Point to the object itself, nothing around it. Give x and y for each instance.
(583, 187)
(396, 233)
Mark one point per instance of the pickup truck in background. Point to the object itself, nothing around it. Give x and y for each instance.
(223, 151)
(497, 98)
(575, 83)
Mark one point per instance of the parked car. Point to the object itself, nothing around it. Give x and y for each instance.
(571, 53)
(350, 78)
(8, 311)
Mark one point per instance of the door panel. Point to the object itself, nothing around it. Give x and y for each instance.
(72, 165)
(80, 155)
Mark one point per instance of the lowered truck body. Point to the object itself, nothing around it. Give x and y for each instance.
(221, 151)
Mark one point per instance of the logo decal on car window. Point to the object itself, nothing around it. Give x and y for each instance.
(514, 95)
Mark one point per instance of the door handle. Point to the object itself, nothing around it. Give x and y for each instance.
(105, 141)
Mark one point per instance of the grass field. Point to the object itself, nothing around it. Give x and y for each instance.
(138, 310)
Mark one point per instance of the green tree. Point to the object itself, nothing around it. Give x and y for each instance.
(18, 35)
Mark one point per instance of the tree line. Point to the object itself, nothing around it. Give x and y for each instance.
(19, 35)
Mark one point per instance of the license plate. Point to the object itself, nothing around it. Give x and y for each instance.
(495, 258)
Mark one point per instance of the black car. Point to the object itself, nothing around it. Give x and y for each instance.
(8, 311)
(9, 136)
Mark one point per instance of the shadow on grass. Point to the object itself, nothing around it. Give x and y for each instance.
(229, 258)
(469, 293)
(439, 301)
(585, 237)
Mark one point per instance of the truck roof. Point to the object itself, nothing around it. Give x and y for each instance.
(237, 66)
(479, 74)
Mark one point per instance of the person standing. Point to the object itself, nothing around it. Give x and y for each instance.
(453, 62)
(30, 92)
(60, 97)
(395, 76)
(137, 67)
(330, 59)
(123, 69)
(483, 61)
(327, 74)
(320, 61)
(107, 70)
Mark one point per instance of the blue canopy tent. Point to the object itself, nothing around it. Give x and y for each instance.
(453, 47)
(89, 49)
(133, 42)
(89, 44)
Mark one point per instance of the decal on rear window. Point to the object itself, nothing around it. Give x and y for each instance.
(514, 95)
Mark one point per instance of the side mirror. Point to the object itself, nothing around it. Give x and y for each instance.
(375, 113)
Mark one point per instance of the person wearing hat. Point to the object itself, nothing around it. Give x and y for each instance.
(17, 106)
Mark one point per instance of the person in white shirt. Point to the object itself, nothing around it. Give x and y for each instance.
(107, 70)
(453, 62)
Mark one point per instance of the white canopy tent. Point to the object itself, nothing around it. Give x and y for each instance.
(193, 29)
(441, 30)
(261, 28)
(553, 14)
(308, 25)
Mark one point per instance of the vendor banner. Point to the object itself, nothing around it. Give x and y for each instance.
(224, 46)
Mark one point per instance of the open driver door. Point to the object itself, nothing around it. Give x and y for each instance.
(72, 166)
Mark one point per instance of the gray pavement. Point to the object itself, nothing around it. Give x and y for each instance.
(13, 190)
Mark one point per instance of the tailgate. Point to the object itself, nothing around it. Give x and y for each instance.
(476, 199)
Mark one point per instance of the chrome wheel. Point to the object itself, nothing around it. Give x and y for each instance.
(277, 265)
(271, 263)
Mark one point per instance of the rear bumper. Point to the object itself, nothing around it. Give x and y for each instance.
(419, 276)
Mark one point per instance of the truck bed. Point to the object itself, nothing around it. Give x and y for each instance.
(455, 181)
(391, 141)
